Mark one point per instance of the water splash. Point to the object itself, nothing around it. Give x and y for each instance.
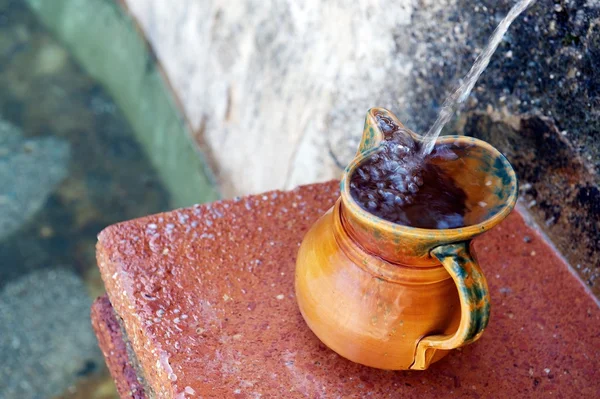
(460, 95)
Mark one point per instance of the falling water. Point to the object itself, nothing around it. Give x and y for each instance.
(460, 95)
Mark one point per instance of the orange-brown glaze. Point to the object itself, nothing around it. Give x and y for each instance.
(373, 313)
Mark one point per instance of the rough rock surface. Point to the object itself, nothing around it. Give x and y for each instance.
(557, 186)
(287, 85)
(538, 102)
(29, 170)
(46, 340)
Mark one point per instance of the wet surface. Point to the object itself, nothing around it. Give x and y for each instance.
(69, 166)
(206, 295)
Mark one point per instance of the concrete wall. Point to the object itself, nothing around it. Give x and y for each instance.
(268, 84)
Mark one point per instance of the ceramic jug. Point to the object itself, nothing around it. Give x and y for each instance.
(395, 297)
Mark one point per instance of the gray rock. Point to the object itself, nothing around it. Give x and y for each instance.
(29, 170)
(46, 339)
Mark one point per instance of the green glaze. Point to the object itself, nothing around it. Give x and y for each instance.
(471, 285)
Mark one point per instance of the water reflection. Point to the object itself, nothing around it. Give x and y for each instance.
(69, 166)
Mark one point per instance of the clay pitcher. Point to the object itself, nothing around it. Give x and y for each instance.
(395, 297)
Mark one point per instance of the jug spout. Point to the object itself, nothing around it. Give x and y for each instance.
(377, 123)
(372, 134)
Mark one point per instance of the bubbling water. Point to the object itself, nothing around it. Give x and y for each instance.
(394, 173)
(399, 185)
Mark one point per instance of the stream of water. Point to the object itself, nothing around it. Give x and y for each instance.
(460, 95)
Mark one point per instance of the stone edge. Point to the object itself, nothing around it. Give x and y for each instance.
(114, 348)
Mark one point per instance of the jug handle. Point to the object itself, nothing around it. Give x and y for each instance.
(474, 302)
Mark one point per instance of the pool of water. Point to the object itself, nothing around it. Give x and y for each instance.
(69, 166)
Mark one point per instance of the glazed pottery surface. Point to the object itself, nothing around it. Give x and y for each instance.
(396, 297)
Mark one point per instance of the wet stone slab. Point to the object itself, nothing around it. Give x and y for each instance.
(206, 298)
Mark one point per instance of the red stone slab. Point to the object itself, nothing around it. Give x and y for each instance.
(206, 297)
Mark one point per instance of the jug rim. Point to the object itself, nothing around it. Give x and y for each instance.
(370, 220)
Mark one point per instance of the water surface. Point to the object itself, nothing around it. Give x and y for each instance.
(69, 166)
